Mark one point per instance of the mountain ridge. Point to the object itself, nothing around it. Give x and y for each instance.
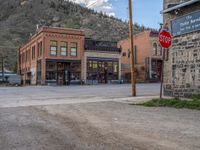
(18, 20)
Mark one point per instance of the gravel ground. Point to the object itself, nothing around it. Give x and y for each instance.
(99, 126)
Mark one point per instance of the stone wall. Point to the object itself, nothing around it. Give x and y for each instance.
(182, 70)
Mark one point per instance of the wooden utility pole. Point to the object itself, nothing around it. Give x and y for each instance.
(133, 78)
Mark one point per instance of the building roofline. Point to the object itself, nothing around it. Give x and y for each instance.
(99, 40)
(48, 29)
(178, 6)
(139, 34)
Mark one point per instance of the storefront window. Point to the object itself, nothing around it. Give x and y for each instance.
(102, 70)
(53, 48)
(63, 49)
(115, 67)
(110, 66)
(94, 66)
(51, 76)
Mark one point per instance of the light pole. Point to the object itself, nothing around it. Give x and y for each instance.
(133, 79)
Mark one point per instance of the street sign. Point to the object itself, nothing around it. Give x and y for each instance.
(165, 39)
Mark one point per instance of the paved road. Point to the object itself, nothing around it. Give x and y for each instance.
(46, 95)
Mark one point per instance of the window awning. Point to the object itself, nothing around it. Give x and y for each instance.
(178, 6)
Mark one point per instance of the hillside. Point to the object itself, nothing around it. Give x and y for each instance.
(18, 20)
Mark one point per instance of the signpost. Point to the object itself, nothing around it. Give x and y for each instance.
(165, 40)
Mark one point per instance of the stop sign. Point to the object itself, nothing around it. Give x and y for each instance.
(165, 39)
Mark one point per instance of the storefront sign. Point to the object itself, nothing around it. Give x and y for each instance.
(186, 24)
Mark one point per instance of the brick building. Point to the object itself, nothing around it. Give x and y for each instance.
(148, 57)
(182, 70)
(59, 56)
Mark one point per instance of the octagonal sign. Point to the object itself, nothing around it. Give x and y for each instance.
(165, 39)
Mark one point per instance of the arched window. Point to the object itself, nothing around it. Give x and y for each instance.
(155, 48)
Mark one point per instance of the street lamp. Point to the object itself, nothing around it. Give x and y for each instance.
(133, 78)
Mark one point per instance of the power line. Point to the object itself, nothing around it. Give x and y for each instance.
(91, 4)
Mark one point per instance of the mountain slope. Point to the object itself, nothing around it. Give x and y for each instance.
(18, 20)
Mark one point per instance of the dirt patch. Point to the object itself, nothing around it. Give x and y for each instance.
(99, 126)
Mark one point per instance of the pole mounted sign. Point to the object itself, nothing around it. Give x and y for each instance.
(165, 39)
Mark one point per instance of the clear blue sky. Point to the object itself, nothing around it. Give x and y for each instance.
(146, 12)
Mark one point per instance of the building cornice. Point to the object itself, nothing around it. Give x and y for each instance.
(179, 6)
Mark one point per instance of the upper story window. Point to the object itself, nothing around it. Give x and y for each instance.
(63, 49)
(39, 49)
(53, 48)
(124, 54)
(29, 54)
(26, 56)
(155, 48)
(160, 49)
(135, 54)
(33, 52)
(73, 49)
(129, 53)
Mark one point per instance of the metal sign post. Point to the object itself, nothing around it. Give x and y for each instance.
(165, 40)
(162, 73)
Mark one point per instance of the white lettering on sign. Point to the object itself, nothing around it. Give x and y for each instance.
(165, 39)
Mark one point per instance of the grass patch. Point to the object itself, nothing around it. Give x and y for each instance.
(194, 103)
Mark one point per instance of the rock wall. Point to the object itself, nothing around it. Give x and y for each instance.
(182, 70)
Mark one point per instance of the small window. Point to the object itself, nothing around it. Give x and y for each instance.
(135, 54)
(73, 49)
(129, 53)
(40, 49)
(63, 49)
(26, 56)
(53, 48)
(160, 49)
(33, 52)
(124, 54)
(155, 48)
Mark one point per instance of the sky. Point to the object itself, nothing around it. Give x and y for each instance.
(145, 12)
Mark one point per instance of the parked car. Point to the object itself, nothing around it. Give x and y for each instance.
(13, 80)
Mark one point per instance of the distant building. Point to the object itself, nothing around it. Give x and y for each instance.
(60, 56)
(101, 62)
(147, 57)
(52, 56)
(182, 70)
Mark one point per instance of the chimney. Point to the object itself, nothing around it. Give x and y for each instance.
(37, 27)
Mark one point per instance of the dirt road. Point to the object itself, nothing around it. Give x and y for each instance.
(98, 126)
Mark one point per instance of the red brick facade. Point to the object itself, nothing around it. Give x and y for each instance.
(60, 56)
(147, 56)
(33, 56)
